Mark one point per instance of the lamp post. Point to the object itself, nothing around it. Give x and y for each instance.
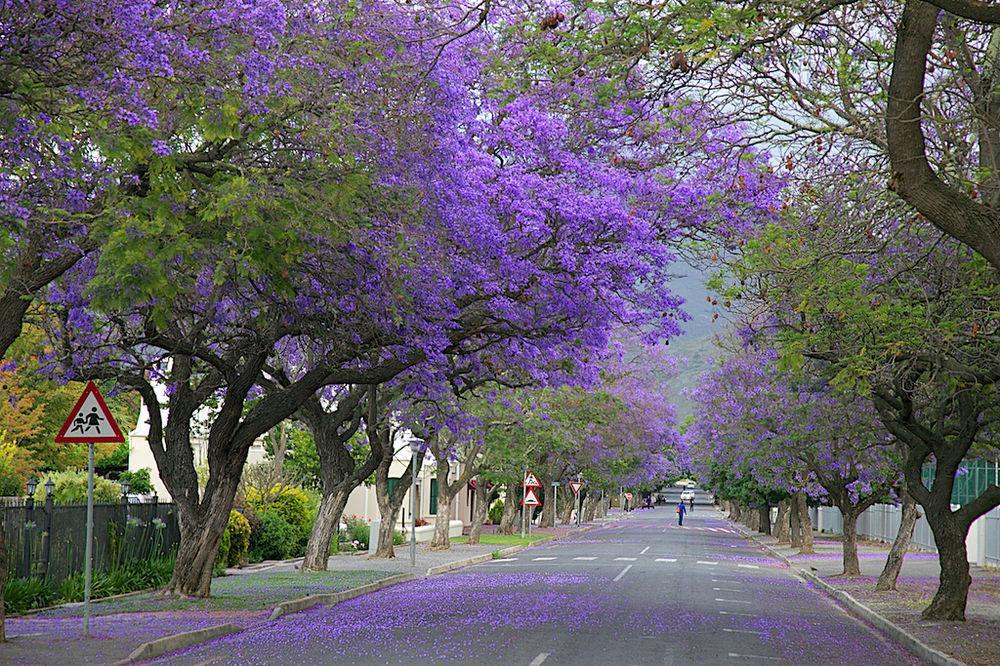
(416, 446)
(555, 504)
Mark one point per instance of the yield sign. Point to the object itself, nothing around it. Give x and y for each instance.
(90, 421)
(628, 496)
(576, 485)
(530, 498)
(531, 481)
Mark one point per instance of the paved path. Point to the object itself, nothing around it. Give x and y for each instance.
(640, 591)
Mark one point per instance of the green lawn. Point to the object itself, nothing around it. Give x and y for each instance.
(501, 539)
(246, 592)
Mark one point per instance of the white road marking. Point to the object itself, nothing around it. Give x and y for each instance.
(666, 559)
(725, 589)
(731, 601)
(543, 559)
(735, 655)
(506, 559)
(748, 566)
(711, 564)
(643, 552)
(732, 613)
(624, 559)
(585, 558)
(741, 631)
(622, 574)
(537, 661)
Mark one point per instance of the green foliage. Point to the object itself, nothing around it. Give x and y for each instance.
(289, 502)
(496, 512)
(115, 461)
(277, 540)
(238, 533)
(21, 594)
(358, 533)
(138, 481)
(71, 488)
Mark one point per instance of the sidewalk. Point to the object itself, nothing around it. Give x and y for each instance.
(119, 626)
(975, 642)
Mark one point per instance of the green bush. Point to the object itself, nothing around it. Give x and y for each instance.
(358, 532)
(289, 502)
(238, 529)
(398, 538)
(222, 557)
(138, 482)
(277, 540)
(71, 488)
(22, 594)
(496, 512)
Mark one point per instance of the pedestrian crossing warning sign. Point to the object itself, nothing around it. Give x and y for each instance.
(531, 481)
(90, 421)
(530, 498)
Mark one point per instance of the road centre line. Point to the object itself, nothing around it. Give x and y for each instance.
(504, 559)
(711, 564)
(622, 574)
(542, 559)
(741, 631)
(624, 559)
(725, 589)
(666, 559)
(587, 559)
(736, 655)
(748, 566)
(731, 601)
(732, 613)
(537, 661)
(643, 552)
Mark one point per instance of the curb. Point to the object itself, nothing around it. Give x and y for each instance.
(175, 642)
(333, 598)
(859, 610)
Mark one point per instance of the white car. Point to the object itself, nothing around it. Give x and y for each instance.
(687, 495)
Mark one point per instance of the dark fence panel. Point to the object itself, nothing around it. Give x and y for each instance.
(50, 543)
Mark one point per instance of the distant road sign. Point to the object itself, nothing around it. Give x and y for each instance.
(530, 498)
(576, 485)
(628, 496)
(90, 421)
(531, 481)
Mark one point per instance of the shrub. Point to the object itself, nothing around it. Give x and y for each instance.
(238, 529)
(278, 539)
(22, 594)
(358, 532)
(71, 488)
(138, 482)
(222, 557)
(496, 512)
(398, 538)
(287, 501)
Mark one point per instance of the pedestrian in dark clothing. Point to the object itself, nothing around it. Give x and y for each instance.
(691, 503)
(681, 510)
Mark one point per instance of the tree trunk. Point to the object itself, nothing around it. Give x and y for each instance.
(386, 529)
(442, 521)
(201, 527)
(852, 567)
(805, 522)
(590, 508)
(510, 512)
(781, 528)
(953, 590)
(795, 525)
(764, 519)
(549, 508)
(734, 511)
(480, 511)
(568, 504)
(331, 508)
(901, 544)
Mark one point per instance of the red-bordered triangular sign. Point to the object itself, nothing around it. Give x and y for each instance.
(90, 421)
(576, 485)
(530, 498)
(628, 496)
(531, 481)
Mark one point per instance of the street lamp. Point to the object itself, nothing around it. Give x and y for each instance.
(416, 446)
(50, 487)
(124, 485)
(32, 484)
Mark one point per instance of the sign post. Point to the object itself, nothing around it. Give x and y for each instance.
(579, 498)
(89, 422)
(530, 499)
(555, 503)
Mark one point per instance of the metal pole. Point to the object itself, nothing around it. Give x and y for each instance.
(524, 509)
(413, 511)
(555, 503)
(579, 500)
(88, 551)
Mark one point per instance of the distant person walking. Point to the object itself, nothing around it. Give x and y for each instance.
(691, 503)
(681, 510)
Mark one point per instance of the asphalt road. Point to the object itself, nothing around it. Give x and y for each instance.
(639, 591)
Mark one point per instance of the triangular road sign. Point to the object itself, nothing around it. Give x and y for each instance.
(628, 496)
(531, 481)
(576, 485)
(90, 421)
(530, 498)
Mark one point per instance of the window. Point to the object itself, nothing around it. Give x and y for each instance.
(434, 497)
(392, 485)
